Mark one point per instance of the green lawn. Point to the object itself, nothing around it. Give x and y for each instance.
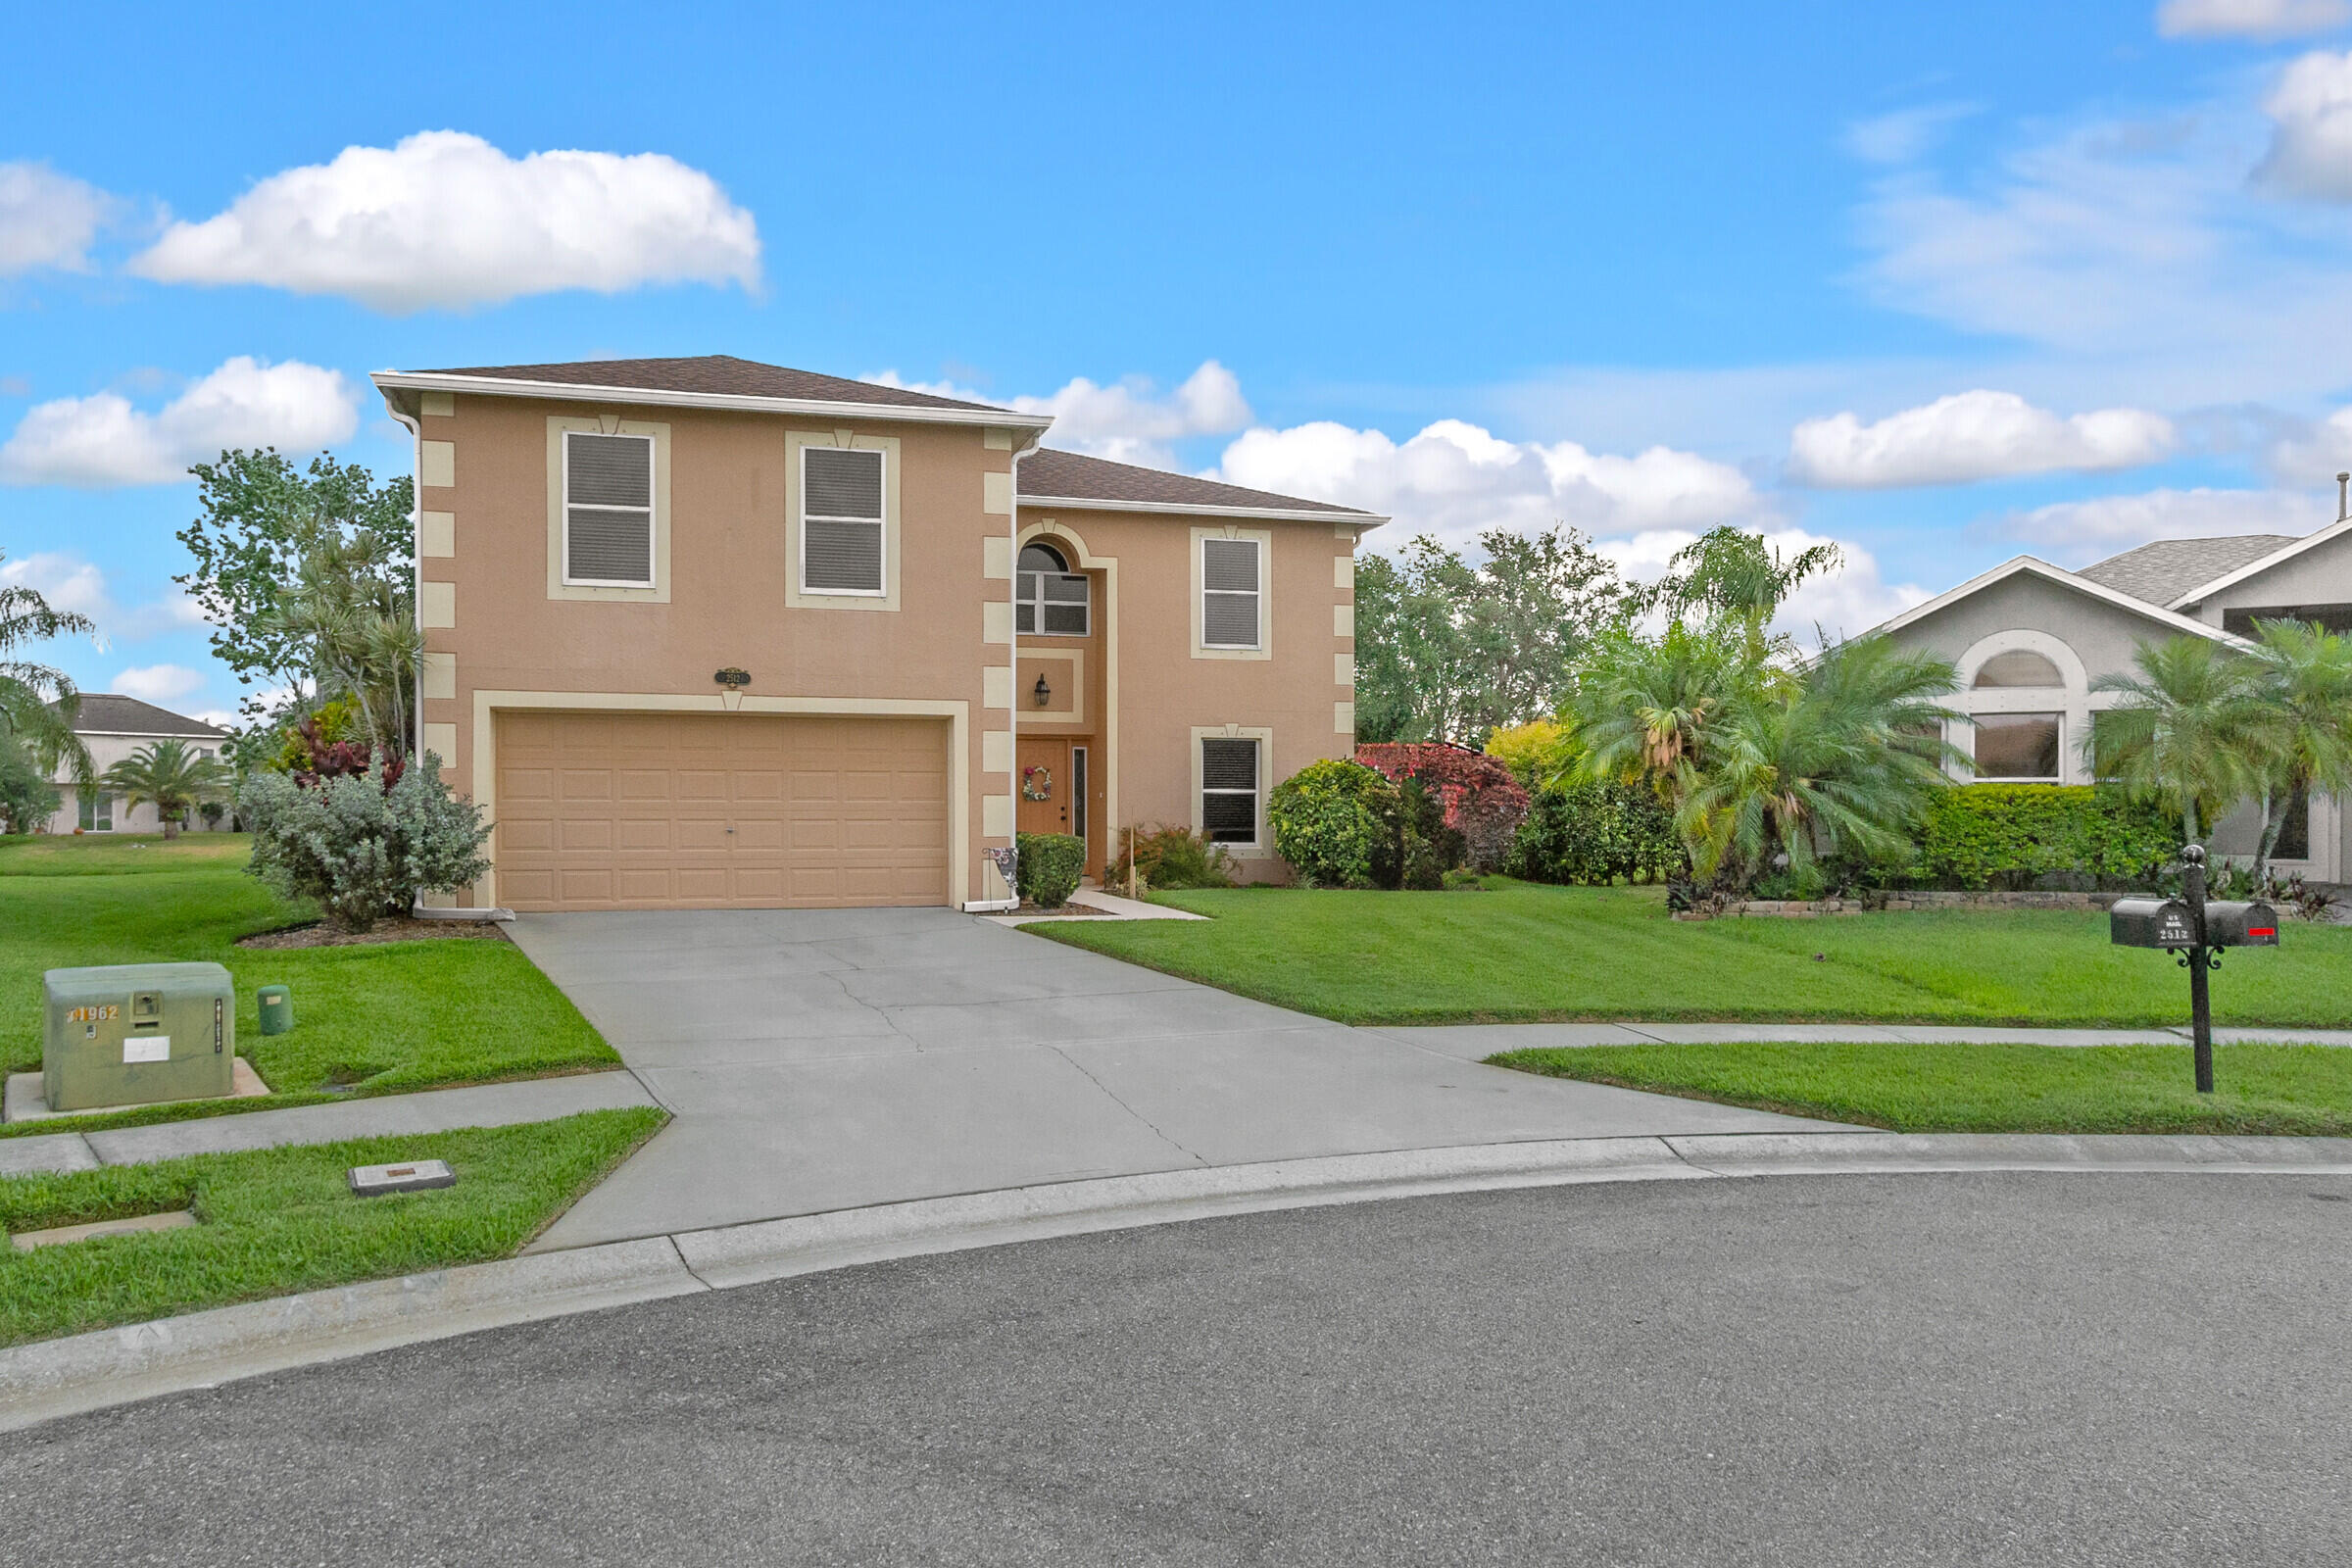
(383, 1018)
(282, 1221)
(2289, 1091)
(1520, 952)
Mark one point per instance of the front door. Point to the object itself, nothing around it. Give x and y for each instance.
(1045, 783)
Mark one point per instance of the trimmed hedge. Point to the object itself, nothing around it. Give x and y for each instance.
(2005, 835)
(1593, 833)
(1048, 866)
(1338, 823)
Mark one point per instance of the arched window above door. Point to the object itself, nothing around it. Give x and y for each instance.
(2018, 666)
(1050, 599)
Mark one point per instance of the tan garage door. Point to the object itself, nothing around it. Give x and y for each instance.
(720, 811)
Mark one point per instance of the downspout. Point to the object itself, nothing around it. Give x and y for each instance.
(1012, 711)
(416, 565)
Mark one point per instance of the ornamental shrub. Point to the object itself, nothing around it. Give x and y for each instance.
(2005, 835)
(360, 850)
(1430, 848)
(1169, 857)
(1483, 801)
(1338, 824)
(1590, 833)
(1048, 866)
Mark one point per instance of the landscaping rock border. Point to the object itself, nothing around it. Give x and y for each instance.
(1901, 904)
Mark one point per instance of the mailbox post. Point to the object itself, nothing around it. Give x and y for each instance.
(2197, 931)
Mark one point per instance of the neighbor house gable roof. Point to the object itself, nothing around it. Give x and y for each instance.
(1068, 479)
(707, 380)
(2161, 571)
(2028, 565)
(2255, 568)
(107, 714)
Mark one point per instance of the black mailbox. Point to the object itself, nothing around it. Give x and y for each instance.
(2242, 925)
(2153, 923)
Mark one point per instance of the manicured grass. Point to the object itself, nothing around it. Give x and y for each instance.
(112, 854)
(1520, 952)
(2289, 1091)
(378, 1019)
(282, 1221)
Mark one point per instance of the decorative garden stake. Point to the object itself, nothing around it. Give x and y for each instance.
(2196, 930)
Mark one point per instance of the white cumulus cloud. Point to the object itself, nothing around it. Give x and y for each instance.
(1967, 436)
(2076, 533)
(69, 582)
(2311, 134)
(2249, 18)
(1454, 479)
(1127, 420)
(161, 684)
(104, 440)
(445, 219)
(47, 219)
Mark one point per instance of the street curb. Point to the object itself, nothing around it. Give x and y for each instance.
(117, 1366)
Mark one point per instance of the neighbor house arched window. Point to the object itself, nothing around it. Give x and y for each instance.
(1050, 599)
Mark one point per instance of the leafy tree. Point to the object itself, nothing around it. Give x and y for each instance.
(352, 613)
(1451, 650)
(26, 796)
(259, 518)
(2184, 730)
(1731, 573)
(171, 775)
(37, 704)
(2302, 728)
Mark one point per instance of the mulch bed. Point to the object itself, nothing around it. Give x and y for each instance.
(328, 934)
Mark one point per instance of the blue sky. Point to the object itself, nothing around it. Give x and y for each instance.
(1939, 285)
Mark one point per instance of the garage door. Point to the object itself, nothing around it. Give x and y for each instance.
(720, 811)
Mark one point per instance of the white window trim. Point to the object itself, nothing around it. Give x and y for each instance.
(652, 488)
(2073, 703)
(796, 595)
(559, 584)
(1264, 647)
(880, 524)
(1037, 606)
(2060, 777)
(1261, 843)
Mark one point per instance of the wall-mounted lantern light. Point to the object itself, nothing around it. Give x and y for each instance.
(1042, 691)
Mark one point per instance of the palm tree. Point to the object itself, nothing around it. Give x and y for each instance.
(2185, 730)
(1840, 760)
(361, 631)
(2303, 725)
(37, 704)
(171, 775)
(1642, 708)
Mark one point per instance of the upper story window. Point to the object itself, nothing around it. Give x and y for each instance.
(841, 521)
(2020, 666)
(1231, 573)
(607, 509)
(1052, 600)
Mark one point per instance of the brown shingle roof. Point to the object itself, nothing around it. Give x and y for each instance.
(106, 713)
(716, 375)
(2163, 571)
(1067, 475)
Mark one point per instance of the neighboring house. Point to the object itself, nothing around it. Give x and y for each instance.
(704, 632)
(112, 727)
(2028, 639)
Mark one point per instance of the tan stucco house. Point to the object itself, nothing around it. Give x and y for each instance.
(113, 726)
(2029, 639)
(706, 632)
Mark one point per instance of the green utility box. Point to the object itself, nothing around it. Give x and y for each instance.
(133, 1034)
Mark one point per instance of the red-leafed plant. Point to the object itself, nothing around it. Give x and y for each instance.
(1483, 801)
(332, 759)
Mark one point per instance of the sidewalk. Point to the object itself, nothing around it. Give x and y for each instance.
(434, 1110)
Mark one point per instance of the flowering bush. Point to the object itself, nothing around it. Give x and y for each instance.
(1168, 857)
(1337, 822)
(1483, 801)
(361, 848)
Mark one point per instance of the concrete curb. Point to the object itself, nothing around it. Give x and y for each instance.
(117, 1366)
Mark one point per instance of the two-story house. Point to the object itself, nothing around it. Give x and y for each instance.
(710, 633)
(112, 727)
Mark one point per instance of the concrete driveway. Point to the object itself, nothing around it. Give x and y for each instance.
(825, 1060)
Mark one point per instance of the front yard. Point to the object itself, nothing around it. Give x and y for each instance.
(1526, 953)
(383, 1018)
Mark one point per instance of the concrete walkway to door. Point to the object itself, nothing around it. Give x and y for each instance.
(828, 1060)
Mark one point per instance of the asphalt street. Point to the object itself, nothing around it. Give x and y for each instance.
(2053, 1369)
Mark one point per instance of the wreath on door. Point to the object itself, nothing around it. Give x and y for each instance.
(1036, 784)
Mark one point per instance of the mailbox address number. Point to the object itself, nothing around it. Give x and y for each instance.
(106, 1013)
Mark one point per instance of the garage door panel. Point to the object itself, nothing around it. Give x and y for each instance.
(634, 811)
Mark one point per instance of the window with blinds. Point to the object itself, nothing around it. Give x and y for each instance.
(607, 509)
(1227, 790)
(1052, 600)
(1229, 593)
(841, 521)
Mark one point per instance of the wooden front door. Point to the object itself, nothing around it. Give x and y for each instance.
(1045, 769)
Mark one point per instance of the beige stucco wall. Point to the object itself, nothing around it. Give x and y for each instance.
(105, 751)
(1153, 690)
(726, 587)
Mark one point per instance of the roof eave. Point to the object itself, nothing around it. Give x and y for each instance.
(2259, 564)
(815, 408)
(1363, 521)
(2065, 578)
